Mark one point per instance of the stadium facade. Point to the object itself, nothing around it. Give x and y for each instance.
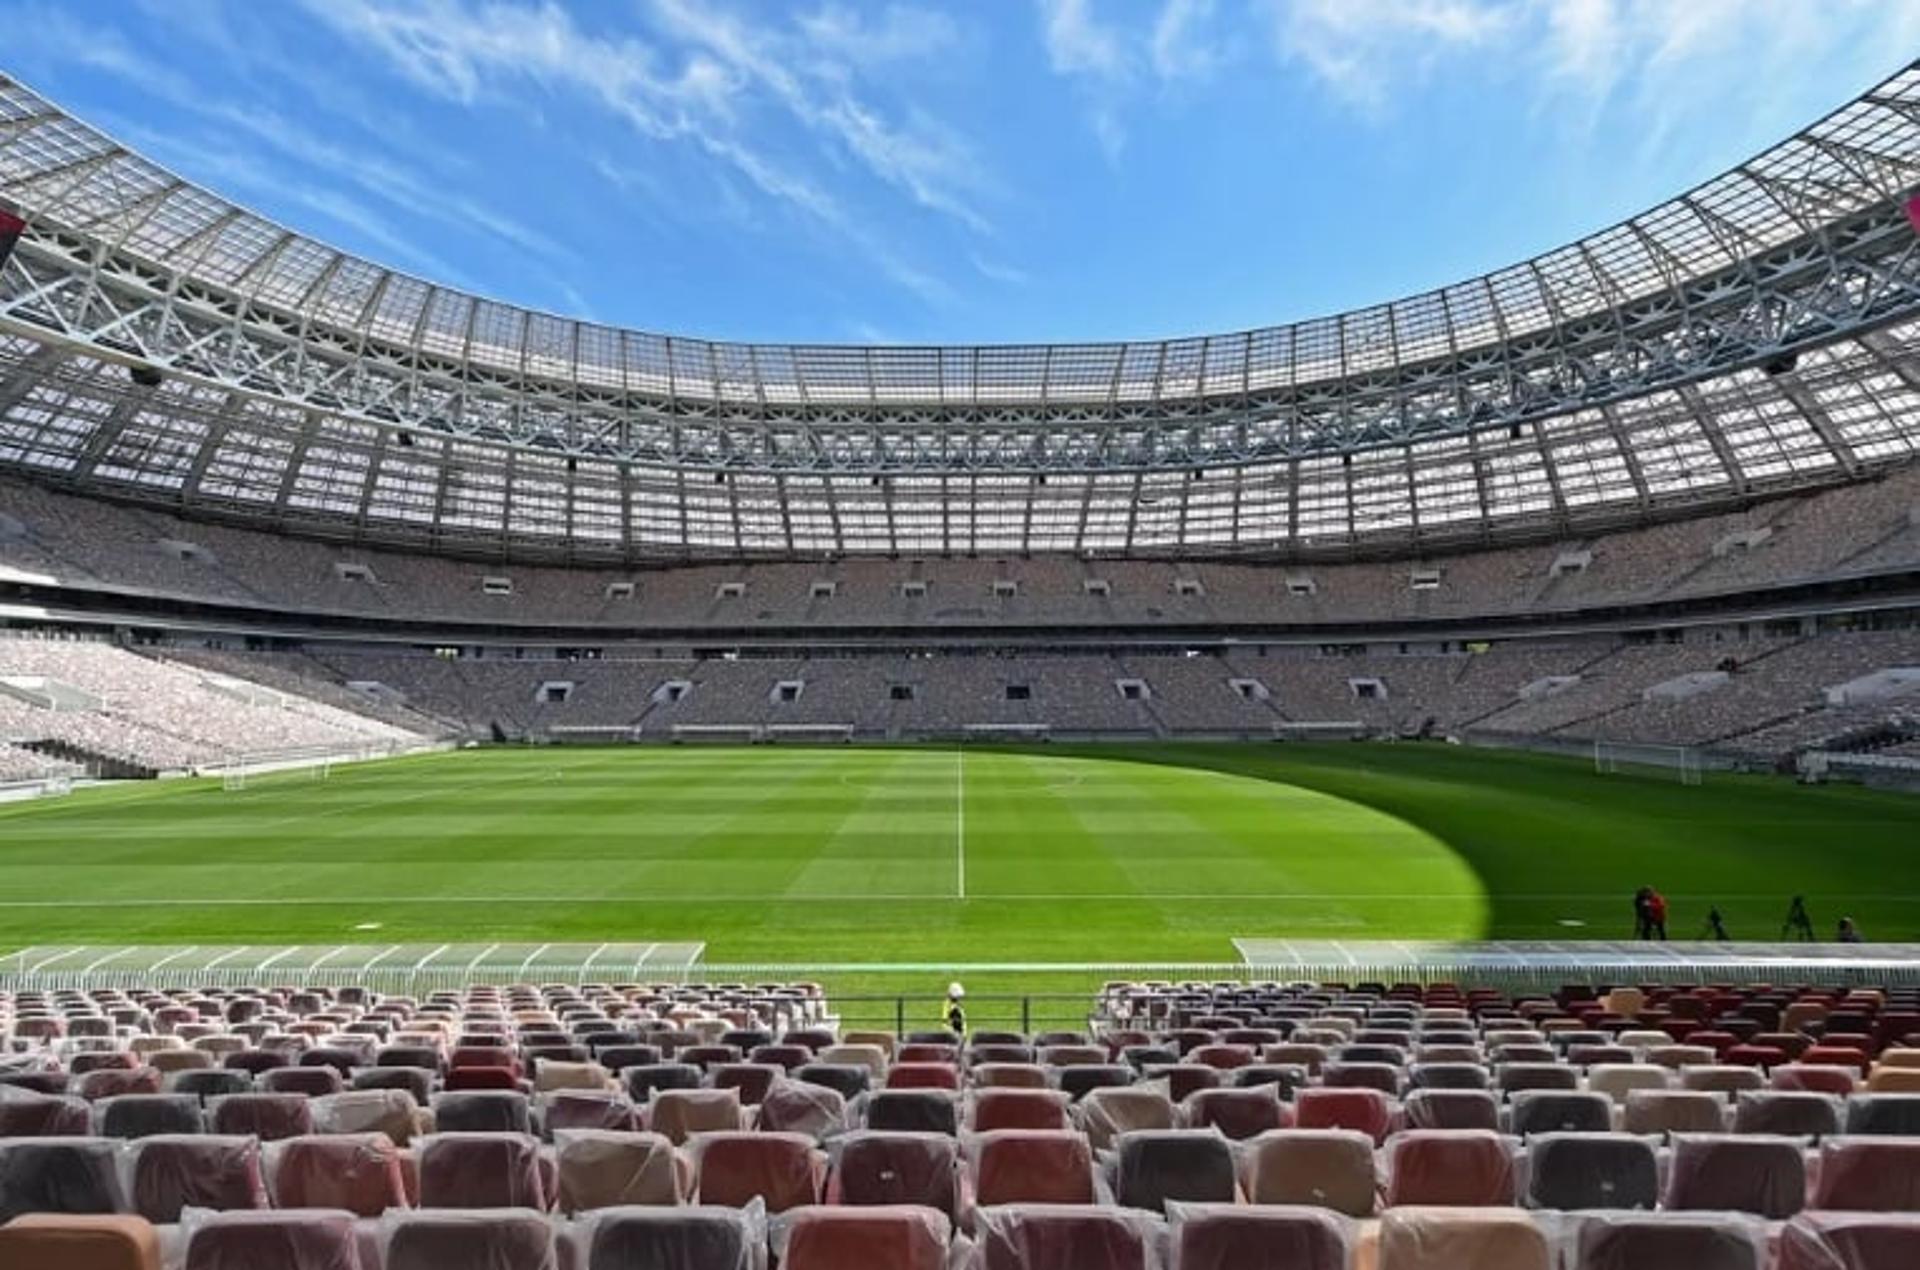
(1692, 431)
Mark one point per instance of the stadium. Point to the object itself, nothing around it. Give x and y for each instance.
(587, 756)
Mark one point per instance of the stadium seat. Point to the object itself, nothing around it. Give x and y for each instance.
(206, 1083)
(1549, 1111)
(1841, 1082)
(1462, 1168)
(1451, 1109)
(1022, 1166)
(849, 1080)
(1850, 1241)
(1765, 1176)
(583, 1109)
(1448, 1076)
(782, 1170)
(1662, 1112)
(63, 1241)
(1225, 1237)
(1368, 1110)
(1054, 1237)
(893, 1238)
(923, 1076)
(1018, 1109)
(1078, 1079)
(1320, 1168)
(1238, 1113)
(1105, 1114)
(1884, 1114)
(793, 1106)
(1669, 1241)
(59, 1175)
(680, 1113)
(300, 1239)
(1416, 1238)
(501, 1239)
(879, 1168)
(913, 1110)
(1869, 1175)
(1591, 1171)
(171, 1174)
(643, 1079)
(482, 1111)
(1155, 1166)
(606, 1169)
(309, 1082)
(686, 1238)
(1793, 1114)
(1011, 1076)
(360, 1173)
(26, 1114)
(481, 1170)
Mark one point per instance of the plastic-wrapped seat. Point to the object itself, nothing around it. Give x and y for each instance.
(1516, 1078)
(1662, 1112)
(143, 1115)
(1765, 1176)
(292, 1239)
(1322, 1168)
(688, 1238)
(1011, 1076)
(913, 1111)
(1454, 1168)
(874, 1168)
(312, 1082)
(503, 1239)
(358, 1172)
(681, 1113)
(173, 1173)
(59, 1175)
(1552, 1111)
(1450, 1238)
(1105, 1114)
(1850, 1241)
(753, 1080)
(209, 1083)
(1344, 1075)
(923, 1076)
(792, 1106)
(1869, 1175)
(896, 1238)
(1792, 1114)
(1884, 1114)
(482, 1111)
(1226, 1237)
(1077, 1080)
(1722, 1080)
(1448, 1076)
(1018, 1109)
(481, 1170)
(1367, 1110)
(1062, 1237)
(849, 1080)
(607, 1169)
(586, 1109)
(782, 1170)
(1451, 1109)
(642, 1080)
(269, 1117)
(1618, 1080)
(1154, 1167)
(71, 1241)
(1032, 1166)
(1239, 1113)
(1669, 1241)
(1592, 1171)
(26, 1114)
(389, 1111)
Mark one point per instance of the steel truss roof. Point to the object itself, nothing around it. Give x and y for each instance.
(298, 383)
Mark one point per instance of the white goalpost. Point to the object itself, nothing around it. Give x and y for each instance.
(244, 773)
(1680, 761)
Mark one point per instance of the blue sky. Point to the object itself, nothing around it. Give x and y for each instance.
(1001, 170)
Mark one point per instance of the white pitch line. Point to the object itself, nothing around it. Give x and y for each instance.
(421, 964)
(960, 818)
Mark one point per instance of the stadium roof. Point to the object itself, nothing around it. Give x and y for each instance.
(1738, 337)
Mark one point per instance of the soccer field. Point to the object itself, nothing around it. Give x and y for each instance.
(912, 855)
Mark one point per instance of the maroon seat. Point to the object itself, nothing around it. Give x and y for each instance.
(1766, 1176)
(477, 1079)
(314, 1082)
(782, 1170)
(300, 1239)
(1850, 1241)
(1670, 1241)
(501, 1240)
(1225, 1237)
(1869, 1175)
(753, 1080)
(881, 1168)
(198, 1171)
(923, 1076)
(482, 1170)
(1368, 1110)
(1018, 1109)
(1032, 1166)
(26, 1114)
(268, 1117)
(869, 1238)
(1051, 1237)
(1238, 1113)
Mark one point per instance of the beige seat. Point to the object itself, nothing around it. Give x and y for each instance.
(549, 1077)
(680, 1113)
(856, 1053)
(1617, 1080)
(601, 1168)
(1649, 1112)
(1722, 1080)
(168, 1061)
(1894, 1080)
(886, 1041)
(1108, 1112)
(1323, 1168)
(1416, 1238)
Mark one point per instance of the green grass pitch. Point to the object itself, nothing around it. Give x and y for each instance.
(1055, 853)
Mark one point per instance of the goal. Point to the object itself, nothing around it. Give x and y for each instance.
(1681, 762)
(244, 774)
(1007, 731)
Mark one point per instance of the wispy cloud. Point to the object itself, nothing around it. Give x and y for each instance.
(1360, 49)
(998, 271)
(1113, 61)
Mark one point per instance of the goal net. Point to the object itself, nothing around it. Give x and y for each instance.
(823, 732)
(1681, 762)
(1007, 731)
(250, 774)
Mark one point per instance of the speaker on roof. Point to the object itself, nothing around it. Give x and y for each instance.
(11, 227)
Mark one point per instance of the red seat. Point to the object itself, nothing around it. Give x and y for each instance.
(1018, 1109)
(501, 1240)
(1368, 1110)
(1225, 1237)
(1869, 1175)
(357, 1172)
(299, 1239)
(269, 1117)
(895, 1238)
(923, 1076)
(782, 1170)
(1454, 1168)
(1765, 1176)
(1821, 1079)
(1032, 1166)
(472, 1079)
(1838, 1056)
(1049, 1237)
(26, 1114)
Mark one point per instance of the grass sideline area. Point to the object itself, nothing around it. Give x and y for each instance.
(1054, 853)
